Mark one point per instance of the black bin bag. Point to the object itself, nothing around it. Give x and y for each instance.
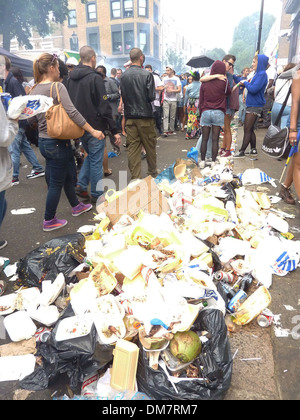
(75, 357)
(216, 359)
(59, 255)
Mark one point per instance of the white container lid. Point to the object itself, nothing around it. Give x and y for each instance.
(74, 327)
(19, 326)
(15, 368)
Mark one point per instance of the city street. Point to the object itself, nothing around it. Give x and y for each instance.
(266, 366)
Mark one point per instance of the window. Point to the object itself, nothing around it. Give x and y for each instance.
(94, 41)
(128, 40)
(143, 8)
(156, 13)
(143, 41)
(74, 45)
(117, 42)
(72, 18)
(91, 12)
(116, 9)
(127, 8)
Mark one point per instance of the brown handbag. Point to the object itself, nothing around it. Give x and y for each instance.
(59, 124)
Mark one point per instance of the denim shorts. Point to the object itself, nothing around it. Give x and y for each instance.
(254, 110)
(212, 117)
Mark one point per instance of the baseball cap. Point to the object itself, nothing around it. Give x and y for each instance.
(169, 67)
(72, 61)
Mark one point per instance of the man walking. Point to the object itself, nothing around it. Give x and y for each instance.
(172, 86)
(138, 93)
(159, 87)
(20, 144)
(87, 92)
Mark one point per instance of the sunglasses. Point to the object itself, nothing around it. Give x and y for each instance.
(231, 65)
(54, 58)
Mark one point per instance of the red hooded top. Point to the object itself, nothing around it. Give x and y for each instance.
(213, 94)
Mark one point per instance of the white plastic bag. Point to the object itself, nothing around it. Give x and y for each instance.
(24, 107)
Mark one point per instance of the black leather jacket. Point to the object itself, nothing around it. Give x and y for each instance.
(138, 93)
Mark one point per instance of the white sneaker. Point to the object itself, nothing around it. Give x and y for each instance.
(202, 164)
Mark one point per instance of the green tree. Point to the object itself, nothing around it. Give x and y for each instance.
(176, 60)
(216, 54)
(17, 17)
(245, 39)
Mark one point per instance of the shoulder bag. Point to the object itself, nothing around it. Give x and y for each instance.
(276, 143)
(59, 124)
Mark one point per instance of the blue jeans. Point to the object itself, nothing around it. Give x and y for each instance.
(22, 145)
(242, 110)
(285, 117)
(92, 168)
(60, 173)
(3, 206)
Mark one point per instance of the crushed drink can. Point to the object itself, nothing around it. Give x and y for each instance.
(226, 277)
(6, 100)
(265, 319)
(237, 301)
(42, 335)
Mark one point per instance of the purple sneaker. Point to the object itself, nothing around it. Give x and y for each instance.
(49, 225)
(80, 209)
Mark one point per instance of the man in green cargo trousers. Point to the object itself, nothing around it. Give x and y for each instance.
(138, 93)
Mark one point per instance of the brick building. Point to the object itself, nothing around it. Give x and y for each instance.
(113, 27)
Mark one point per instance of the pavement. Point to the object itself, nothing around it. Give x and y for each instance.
(266, 364)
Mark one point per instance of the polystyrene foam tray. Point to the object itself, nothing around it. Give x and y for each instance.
(19, 326)
(15, 368)
(74, 327)
(8, 304)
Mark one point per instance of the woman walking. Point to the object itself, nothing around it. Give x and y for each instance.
(60, 163)
(212, 109)
(254, 103)
(191, 101)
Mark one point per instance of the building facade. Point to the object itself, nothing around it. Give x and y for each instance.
(113, 28)
(292, 8)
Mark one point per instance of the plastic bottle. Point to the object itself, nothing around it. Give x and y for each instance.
(230, 207)
(253, 306)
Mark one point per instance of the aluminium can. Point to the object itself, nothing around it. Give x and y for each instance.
(265, 319)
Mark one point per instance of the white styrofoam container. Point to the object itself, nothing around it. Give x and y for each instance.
(19, 326)
(8, 301)
(74, 327)
(15, 368)
(46, 315)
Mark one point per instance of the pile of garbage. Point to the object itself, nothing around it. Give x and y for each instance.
(134, 306)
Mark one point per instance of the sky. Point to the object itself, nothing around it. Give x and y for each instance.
(214, 21)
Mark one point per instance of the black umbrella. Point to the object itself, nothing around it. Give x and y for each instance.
(200, 61)
(26, 66)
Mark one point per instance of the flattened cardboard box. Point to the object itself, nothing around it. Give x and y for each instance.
(142, 195)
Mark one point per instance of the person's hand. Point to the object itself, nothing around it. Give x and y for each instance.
(118, 140)
(293, 138)
(98, 134)
(222, 77)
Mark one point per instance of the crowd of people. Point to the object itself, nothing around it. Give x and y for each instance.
(140, 105)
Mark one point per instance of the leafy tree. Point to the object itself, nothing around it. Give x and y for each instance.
(176, 60)
(17, 17)
(245, 39)
(216, 54)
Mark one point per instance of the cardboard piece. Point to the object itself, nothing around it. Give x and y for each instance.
(140, 195)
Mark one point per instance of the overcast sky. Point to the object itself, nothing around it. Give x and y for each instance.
(214, 21)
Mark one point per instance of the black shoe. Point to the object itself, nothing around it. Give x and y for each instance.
(81, 193)
(3, 244)
(240, 154)
(15, 181)
(253, 152)
(143, 155)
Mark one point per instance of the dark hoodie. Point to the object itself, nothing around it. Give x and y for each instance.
(88, 94)
(256, 88)
(213, 94)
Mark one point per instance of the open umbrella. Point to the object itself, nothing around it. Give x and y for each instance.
(200, 61)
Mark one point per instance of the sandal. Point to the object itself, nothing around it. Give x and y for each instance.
(109, 173)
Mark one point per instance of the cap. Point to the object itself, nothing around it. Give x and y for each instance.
(72, 61)
(169, 67)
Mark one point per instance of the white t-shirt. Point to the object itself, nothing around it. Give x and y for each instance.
(282, 87)
(158, 82)
(173, 82)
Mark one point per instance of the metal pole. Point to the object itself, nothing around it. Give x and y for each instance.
(260, 26)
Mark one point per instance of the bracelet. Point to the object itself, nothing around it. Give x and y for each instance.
(293, 131)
